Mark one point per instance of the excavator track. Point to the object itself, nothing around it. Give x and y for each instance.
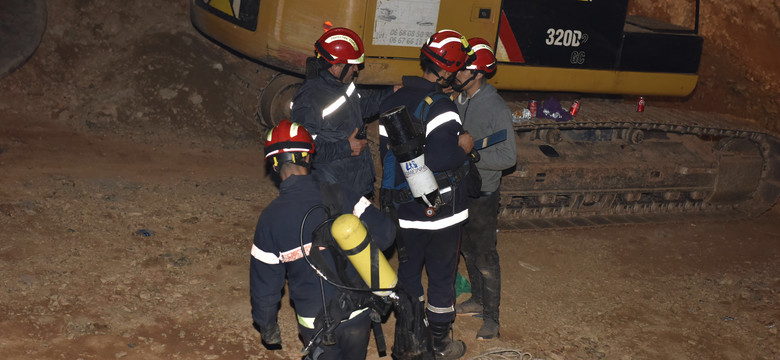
(613, 165)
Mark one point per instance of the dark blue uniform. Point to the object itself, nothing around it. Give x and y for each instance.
(331, 110)
(432, 242)
(276, 253)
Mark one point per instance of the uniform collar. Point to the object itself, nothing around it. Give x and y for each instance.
(330, 79)
(296, 181)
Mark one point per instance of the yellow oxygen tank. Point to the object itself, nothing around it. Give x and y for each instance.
(350, 234)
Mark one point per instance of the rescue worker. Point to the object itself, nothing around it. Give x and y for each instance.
(484, 113)
(431, 242)
(280, 236)
(333, 109)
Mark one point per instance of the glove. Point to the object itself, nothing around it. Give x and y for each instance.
(271, 334)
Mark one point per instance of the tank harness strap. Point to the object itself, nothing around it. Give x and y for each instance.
(379, 335)
(374, 258)
(453, 176)
(374, 265)
(376, 321)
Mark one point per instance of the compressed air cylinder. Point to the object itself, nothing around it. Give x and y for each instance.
(408, 145)
(350, 234)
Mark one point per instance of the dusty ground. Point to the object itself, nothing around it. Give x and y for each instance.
(132, 180)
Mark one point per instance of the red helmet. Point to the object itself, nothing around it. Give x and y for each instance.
(288, 142)
(486, 59)
(340, 46)
(449, 50)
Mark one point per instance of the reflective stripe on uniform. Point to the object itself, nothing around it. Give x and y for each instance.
(294, 254)
(308, 322)
(432, 125)
(334, 106)
(356, 313)
(434, 225)
(273, 259)
(338, 102)
(441, 310)
(361, 206)
(441, 119)
(263, 256)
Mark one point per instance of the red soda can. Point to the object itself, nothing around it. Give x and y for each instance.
(533, 105)
(640, 104)
(575, 108)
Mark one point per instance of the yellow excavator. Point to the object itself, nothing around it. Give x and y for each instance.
(610, 164)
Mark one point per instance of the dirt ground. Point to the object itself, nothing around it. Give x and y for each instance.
(132, 178)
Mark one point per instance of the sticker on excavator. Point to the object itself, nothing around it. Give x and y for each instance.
(405, 22)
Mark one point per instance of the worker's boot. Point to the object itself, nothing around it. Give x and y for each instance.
(488, 331)
(469, 307)
(491, 300)
(444, 347)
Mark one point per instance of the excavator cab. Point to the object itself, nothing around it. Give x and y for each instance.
(594, 47)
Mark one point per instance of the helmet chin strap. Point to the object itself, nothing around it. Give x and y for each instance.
(460, 87)
(344, 71)
(445, 81)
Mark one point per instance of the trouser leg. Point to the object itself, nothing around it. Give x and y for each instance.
(469, 249)
(410, 271)
(482, 261)
(441, 260)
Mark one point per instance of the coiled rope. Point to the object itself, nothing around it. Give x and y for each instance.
(505, 354)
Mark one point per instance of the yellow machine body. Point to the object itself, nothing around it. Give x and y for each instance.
(282, 34)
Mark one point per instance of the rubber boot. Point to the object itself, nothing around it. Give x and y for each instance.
(444, 347)
(491, 300)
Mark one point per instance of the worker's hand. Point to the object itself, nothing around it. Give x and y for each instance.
(271, 334)
(357, 145)
(466, 142)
